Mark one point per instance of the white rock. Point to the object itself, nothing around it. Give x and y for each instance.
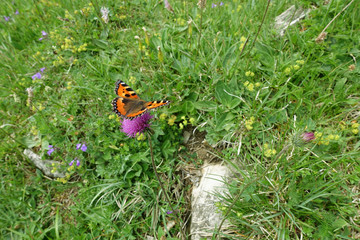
(205, 215)
(288, 18)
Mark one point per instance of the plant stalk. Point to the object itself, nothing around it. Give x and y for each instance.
(163, 189)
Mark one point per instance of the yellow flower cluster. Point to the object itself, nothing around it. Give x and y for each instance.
(68, 15)
(49, 3)
(39, 107)
(86, 10)
(34, 131)
(55, 35)
(62, 180)
(112, 116)
(249, 123)
(68, 44)
(183, 123)
(172, 120)
(82, 48)
(36, 54)
(54, 167)
(69, 85)
(121, 17)
(268, 152)
(180, 21)
(132, 80)
(355, 127)
(158, 36)
(250, 86)
(249, 74)
(141, 136)
(238, 8)
(325, 140)
(294, 67)
(59, 61)
(242, 42)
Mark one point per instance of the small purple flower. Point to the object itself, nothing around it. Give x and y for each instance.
(77, 163)
(78, 146)
(51, 150)
(83, 147)
(221, 4)
(169, 212)
(71, 163)
(42, 69)
(17, 12)
(308, 136)
(213, 5)
(44, 34)
(137, 125)
(6, 18)
(36, 75)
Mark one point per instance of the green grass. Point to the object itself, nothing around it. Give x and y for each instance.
(251, 105)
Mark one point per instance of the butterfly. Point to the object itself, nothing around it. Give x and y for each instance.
(128, 105)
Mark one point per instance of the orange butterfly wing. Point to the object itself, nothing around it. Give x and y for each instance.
(155, 104)
(123, 90)
(129, 105)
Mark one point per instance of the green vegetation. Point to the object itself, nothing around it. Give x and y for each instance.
(226, 72)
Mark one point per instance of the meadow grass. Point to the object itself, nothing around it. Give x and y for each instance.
(226, 71)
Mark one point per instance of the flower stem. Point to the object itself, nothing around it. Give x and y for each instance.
(246, 186)
(163, 189)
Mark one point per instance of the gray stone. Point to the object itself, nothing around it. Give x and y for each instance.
(206, 217)
(289, 17)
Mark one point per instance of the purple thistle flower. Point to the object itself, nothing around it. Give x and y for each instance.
(71, 163)
(135, 126)
(308, 136)
(77, 163)
(17, 12)
(36, 75)
(6, 18)
(213, 5)
(51, 150)
(42, 69)
(83, 148)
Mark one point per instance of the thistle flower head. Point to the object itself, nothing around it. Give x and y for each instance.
(136, 126)
(308, 136)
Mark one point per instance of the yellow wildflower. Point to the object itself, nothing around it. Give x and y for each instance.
(287, 70)
(250, 87)
(163, 116)
(296, 67)
(172, 119)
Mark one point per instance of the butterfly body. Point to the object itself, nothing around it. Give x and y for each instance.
(129, 105)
